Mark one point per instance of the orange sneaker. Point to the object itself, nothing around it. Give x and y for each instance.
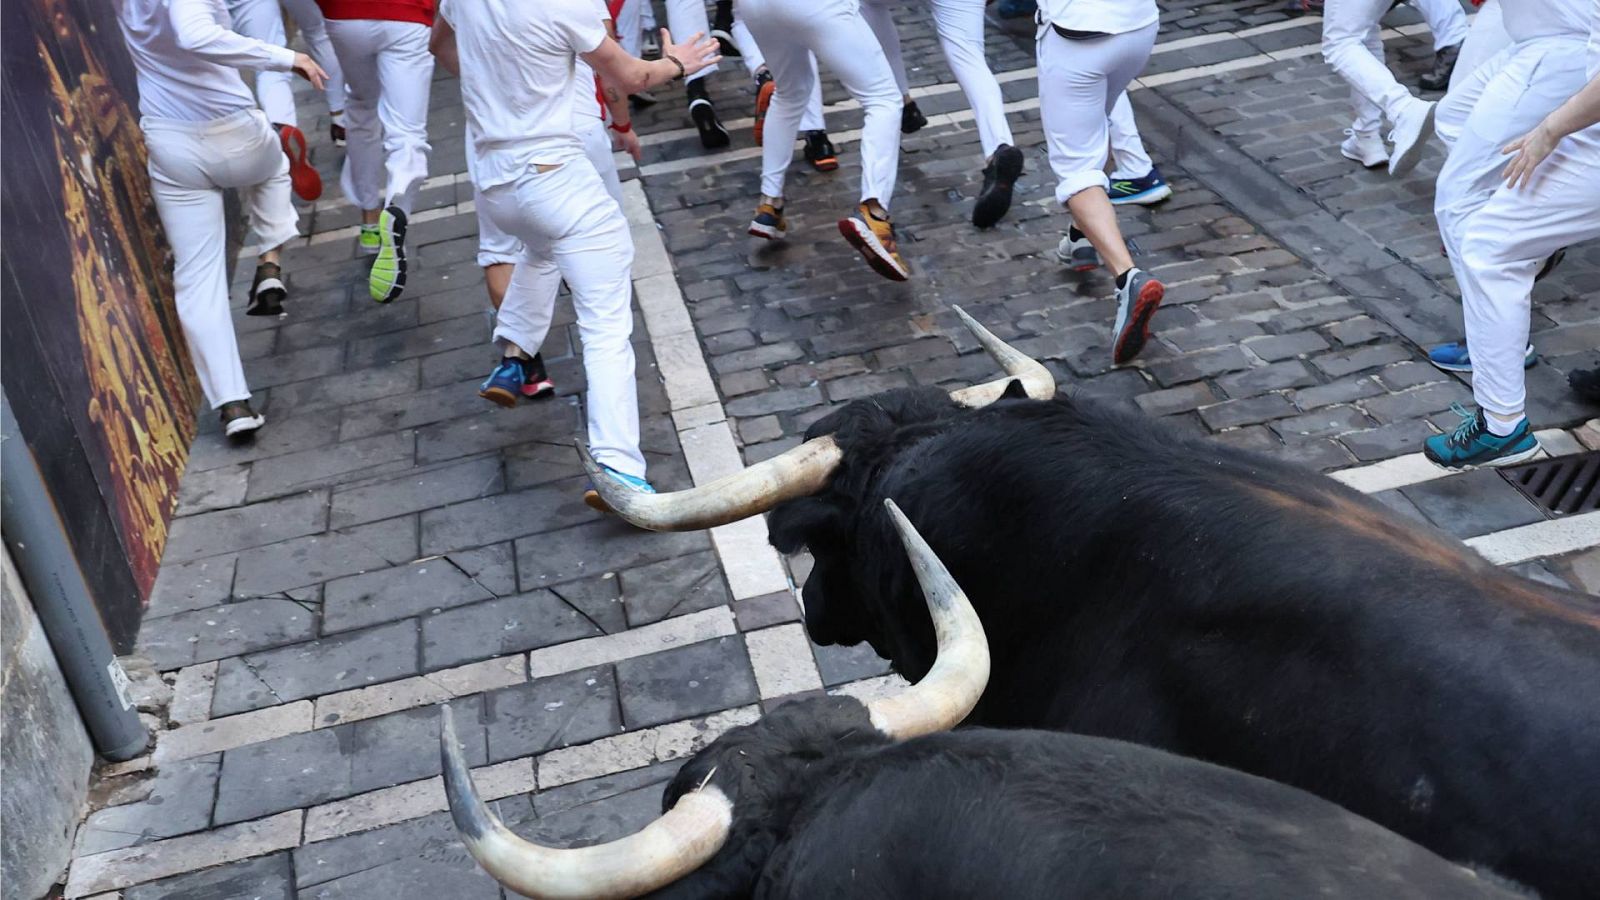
(872, 233)
(765, 88)
(307, 183)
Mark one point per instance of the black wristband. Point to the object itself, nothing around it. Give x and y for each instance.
(675, 62)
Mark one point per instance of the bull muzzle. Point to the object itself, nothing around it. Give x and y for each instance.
(686, 836)
(798, 472)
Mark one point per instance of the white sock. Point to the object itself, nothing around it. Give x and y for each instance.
(1502, 426)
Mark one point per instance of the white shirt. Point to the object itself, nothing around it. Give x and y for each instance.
(1528, 19)
(1594, 42)
(188, 58)
(1108, 16)
(586, 103)
(518, 72)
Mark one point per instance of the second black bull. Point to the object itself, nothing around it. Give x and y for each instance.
(1147, 586)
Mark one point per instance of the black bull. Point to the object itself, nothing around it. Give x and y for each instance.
(828, 808)
(1146, 586)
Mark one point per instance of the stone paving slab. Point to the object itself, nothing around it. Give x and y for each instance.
(389, 543)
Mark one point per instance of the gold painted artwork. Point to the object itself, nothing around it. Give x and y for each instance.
(142, 387)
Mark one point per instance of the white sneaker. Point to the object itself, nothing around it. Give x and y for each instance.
(1410, 135)
(1365, 147)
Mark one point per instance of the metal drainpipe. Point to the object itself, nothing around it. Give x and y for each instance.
(61, 598)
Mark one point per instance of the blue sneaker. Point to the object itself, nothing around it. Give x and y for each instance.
(1146, 191)
(631, 482)
(1452, 357)
(1472, 445)
(504, 384)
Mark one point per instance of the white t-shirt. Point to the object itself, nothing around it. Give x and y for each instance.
(1109, 16)
(586, 103)
(1594, 42)
(518, 68)
(1529, 19)
(188, 56)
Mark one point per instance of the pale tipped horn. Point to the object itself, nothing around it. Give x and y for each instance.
(960, 672)
(794, 473)
(675, 844)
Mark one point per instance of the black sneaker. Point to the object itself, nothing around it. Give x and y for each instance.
(820, 152)
(1444, 63)
(239, 420)
(911, 118)
(998, 178)
(267, 291)
(337, 134)
(536, 381)
(712, 135)
(1550, 264)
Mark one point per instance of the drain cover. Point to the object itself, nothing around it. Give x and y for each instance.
(1564, 485)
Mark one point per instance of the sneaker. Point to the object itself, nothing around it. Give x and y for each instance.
(820, 153)
(725, 44)
(712, 135)
(1077, 253)
(1444, 63)
(368, 241)
(650, 46)
(337, 134)
(267, 291)
(765, 88)
(1585, 383)
(388, 276)
(1453, 357)
(1410, 136)
(999, 176)
(239, 420)
(1550, 264)
(592, 497)
(1146, 191)
(1472, 444)
(769, 223)
(536, 381)
(1137, 300)
(506, 382)
(911, 118)
(307, 183)
(872, 233)
(1365, 147)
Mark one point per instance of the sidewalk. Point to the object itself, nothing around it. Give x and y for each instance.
(391, 542)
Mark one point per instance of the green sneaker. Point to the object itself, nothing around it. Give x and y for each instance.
(388, 277)
(368, 242)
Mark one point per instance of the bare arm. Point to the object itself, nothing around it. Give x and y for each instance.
(630, 74)
(1582, 110)
(443, 46)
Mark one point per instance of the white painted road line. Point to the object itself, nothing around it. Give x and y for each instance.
(1541, 539)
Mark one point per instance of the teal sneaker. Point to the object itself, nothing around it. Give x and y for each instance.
(369, 242)
(631, 482)
(388, 276)
(1472, 445)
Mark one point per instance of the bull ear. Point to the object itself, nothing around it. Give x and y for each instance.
(1014, 390)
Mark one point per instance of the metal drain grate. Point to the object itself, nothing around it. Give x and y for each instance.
(1564, 485)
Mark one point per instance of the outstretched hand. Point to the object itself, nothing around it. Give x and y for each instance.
(698, 52)
(307, 68)
(1531, 150)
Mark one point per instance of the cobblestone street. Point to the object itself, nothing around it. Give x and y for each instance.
(390, 542)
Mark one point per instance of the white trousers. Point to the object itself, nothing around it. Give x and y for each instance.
(1128, 155)
(754, 59)
(308, 16)
(1503, 98)
(572, 229)
(1079, 83)
(388, 72)
(834, 31)
(263, 20)
(959, 24)
(1485, 39)
(494, 244)
(1352, 43)
(1501, 248)
(191, 164)
(685, 18)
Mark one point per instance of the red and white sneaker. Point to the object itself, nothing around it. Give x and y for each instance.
(307, 183)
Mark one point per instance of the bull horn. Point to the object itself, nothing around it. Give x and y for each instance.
(675, 844)
(800, 471)
(961, 670)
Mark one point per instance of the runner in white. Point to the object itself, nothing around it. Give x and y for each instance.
(959, 24)
(383, 49)
(1089, 51)
(263, 21)
(1550, 199)
(1135, 180)
(1352, 43)
(518, 76)
(205, 135)
(683, 17)
(841, 40)
(313, 29)
(819, 150)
